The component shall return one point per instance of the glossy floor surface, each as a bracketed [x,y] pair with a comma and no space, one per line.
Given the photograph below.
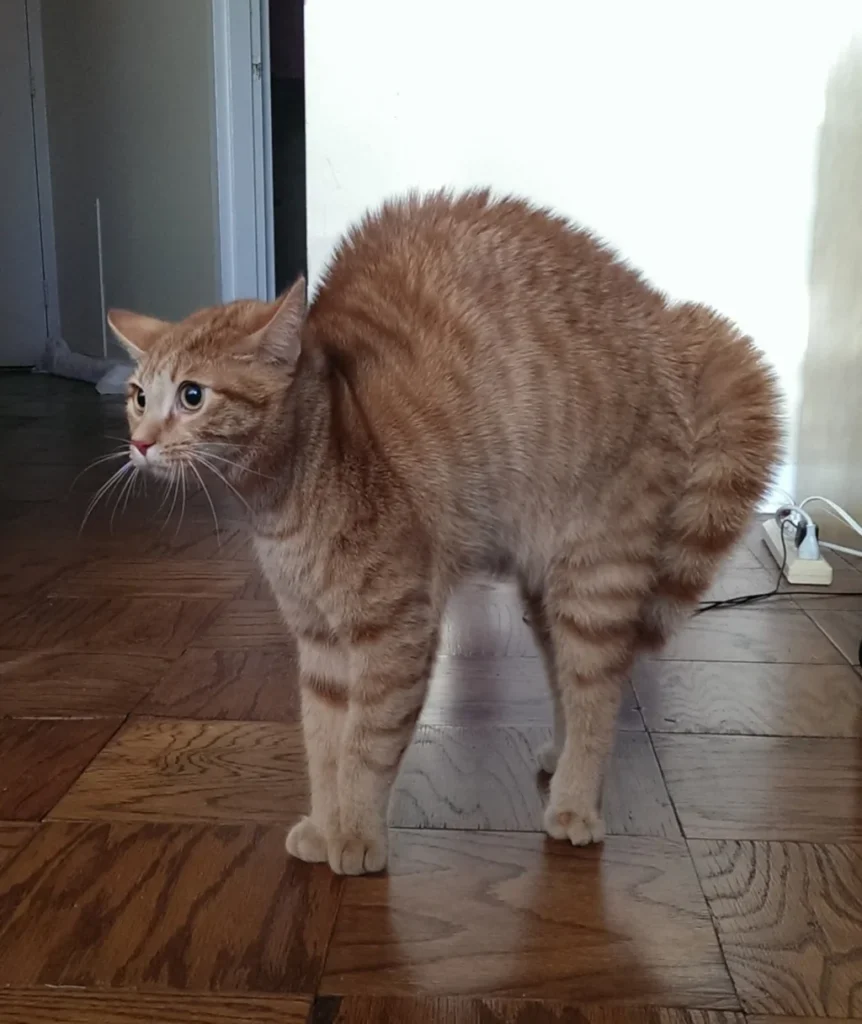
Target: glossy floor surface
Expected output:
[150,762]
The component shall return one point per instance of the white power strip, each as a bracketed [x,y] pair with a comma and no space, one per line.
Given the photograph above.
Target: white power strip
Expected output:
[803,571]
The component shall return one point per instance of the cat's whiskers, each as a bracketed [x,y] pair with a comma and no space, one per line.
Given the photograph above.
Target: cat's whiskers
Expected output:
[136,478]
[120,454]
[183,506]
[194,469]
[123,491]
[112,482]
[235,465]
[173,490]
[214,469]
[166,493]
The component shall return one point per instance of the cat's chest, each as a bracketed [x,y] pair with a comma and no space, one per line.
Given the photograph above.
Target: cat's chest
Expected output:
[290,565]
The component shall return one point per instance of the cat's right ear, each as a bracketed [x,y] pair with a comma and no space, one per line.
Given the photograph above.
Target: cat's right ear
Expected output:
[136,333]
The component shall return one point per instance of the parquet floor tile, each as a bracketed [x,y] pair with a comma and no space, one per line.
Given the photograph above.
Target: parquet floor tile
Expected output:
[160,906]
[745,698]
[511,914]
[789,919]
[39,761]
[753,787]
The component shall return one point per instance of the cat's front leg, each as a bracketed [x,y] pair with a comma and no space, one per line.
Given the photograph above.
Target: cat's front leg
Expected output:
[392,657]
[324,682]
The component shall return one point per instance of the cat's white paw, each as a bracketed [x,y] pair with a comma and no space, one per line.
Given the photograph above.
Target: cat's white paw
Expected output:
[357,855]
[306,842]
[548,756]
[580,828]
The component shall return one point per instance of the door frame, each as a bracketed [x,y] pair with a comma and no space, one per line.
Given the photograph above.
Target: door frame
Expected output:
[242,157]
[51,298]
[243,148]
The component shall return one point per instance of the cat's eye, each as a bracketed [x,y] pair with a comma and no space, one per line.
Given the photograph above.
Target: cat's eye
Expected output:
[140,398]
[191,395]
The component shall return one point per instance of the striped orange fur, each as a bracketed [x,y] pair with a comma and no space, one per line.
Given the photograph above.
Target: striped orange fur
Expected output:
[477,386]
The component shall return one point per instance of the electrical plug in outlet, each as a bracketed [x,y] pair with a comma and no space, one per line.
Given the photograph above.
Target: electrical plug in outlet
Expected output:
[803,571]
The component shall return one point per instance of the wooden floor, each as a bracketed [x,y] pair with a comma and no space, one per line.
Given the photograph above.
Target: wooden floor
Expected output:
[151,761]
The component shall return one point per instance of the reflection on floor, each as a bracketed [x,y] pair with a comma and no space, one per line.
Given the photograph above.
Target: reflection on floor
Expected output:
[150,761]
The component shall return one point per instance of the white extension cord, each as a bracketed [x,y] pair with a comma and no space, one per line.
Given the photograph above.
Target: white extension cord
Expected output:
[799,560]
[793,539]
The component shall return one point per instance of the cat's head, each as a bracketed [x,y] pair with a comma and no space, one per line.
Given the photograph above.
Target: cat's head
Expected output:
[204,386]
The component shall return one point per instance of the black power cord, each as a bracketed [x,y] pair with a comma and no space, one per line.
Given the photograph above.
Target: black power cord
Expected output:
[746,599]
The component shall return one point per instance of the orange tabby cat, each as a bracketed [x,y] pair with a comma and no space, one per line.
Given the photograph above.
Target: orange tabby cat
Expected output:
[476,386]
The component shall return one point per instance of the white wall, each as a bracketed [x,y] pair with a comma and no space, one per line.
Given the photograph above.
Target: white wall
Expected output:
[831,415]
[683,132]
[130,97]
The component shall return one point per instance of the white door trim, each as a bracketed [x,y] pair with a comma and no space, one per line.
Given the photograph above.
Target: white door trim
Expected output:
[33,9]
[242,157]
[263,146]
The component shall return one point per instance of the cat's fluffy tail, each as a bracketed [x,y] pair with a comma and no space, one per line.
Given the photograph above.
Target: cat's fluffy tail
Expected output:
[736,441]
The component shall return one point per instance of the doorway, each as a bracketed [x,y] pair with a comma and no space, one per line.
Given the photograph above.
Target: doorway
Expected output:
[287,110]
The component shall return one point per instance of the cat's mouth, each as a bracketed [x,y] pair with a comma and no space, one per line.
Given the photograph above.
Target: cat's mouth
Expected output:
[149,459]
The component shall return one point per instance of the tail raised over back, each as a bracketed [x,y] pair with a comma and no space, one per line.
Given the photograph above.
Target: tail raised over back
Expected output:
[735,445]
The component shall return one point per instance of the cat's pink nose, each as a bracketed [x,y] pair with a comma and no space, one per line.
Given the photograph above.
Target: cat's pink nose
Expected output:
[142,446]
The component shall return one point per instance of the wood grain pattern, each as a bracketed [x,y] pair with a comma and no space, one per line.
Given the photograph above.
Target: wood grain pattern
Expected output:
[636,801]
[243,624]
[121,625]
[749,699]
[749,787]
[39,761]
[157,907]
[766,635]
[488,691]
[177,578]
[471,778]
[22,572]
[762,1018]
[511,914]
[256,588]
[12,837]
[370,1010]
[487,619]
[499,691]
[199,539]
[251,685]
[789,918]
[73,1006]
[34,684]
[842,628]
[734,582]
[487,778]
[172,770]
[29,481]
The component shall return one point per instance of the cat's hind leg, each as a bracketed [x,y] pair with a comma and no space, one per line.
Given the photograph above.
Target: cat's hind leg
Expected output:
[549,754]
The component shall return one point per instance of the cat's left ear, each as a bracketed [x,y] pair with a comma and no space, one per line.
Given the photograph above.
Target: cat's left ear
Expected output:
[279,339]
[136,333]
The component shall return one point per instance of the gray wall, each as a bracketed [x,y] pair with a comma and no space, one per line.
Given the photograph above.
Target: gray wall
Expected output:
[131,120]
[23,329]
